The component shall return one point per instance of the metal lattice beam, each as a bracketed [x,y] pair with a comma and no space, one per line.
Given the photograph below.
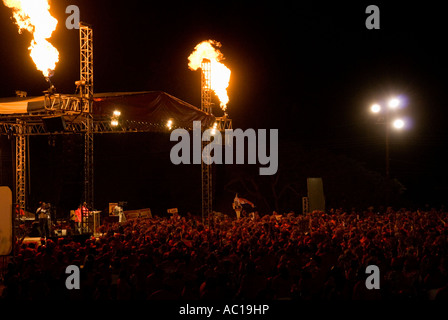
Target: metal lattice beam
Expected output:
[223,123]
[37,128]
[86,61]
[88,161]
[86,90]
[20,174]
[206,169]
[206,87]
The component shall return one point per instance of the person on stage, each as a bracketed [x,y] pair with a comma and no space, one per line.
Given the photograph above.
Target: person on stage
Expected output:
[43,215]
[118,211]
[41,206]
[19,213]
[83,216]
[76,218]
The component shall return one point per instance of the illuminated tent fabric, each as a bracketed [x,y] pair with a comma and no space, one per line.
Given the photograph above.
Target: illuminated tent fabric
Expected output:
[150,106]
[22,105]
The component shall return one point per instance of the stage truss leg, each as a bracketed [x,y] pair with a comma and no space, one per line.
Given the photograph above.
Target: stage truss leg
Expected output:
[86,62]
[206,169]
[20,164]
[207,189]
[86,74]
[88,169]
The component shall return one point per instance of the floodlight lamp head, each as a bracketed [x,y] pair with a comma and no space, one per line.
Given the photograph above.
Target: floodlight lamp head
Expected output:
[393,103]
[375,108]
[398,124]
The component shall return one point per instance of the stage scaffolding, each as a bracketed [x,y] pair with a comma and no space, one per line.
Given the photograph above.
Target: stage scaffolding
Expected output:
[79,107]
[76,111]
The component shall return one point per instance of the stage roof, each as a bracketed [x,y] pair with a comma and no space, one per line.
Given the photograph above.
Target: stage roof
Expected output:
[150,106]
[156,107]
[21,105]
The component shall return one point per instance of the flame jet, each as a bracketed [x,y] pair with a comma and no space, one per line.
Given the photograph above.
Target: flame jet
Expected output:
[220,74]
[34,16]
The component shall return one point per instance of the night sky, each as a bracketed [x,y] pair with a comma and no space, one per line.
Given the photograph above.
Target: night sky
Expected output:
[310,70]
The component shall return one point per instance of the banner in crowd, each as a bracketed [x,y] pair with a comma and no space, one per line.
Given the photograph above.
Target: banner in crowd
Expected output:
[240,201]
[140,213]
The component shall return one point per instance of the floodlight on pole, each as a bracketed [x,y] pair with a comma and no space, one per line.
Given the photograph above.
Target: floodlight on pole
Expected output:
[384,111]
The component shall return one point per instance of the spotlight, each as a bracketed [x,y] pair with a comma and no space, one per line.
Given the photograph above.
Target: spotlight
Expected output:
[169,124]
[114,119]
[215,125]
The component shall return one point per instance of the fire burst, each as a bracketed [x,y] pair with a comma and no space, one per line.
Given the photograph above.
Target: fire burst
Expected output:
[34,16]
[220,74]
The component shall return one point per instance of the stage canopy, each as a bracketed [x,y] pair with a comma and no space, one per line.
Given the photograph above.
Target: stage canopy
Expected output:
[156,107]
[21,105]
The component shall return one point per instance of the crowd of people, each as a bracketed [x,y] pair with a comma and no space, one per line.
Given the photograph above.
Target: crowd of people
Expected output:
[319,256]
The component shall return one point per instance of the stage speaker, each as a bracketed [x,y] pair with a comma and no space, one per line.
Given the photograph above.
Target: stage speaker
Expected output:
[61,232]
[316,198]
[54,124]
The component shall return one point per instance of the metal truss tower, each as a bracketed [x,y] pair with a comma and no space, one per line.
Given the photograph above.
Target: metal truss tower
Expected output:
[206,169]
[20,174]
[86,92]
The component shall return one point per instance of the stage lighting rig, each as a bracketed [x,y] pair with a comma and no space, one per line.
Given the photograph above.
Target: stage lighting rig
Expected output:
[115,118]
[169,124]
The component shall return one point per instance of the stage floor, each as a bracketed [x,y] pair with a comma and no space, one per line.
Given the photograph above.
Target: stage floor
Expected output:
[77,237]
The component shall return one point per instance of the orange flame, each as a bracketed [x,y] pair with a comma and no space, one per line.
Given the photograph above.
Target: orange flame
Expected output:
[34,16]
[220,74]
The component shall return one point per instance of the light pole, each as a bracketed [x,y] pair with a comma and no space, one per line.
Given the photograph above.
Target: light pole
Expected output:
[385,110]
